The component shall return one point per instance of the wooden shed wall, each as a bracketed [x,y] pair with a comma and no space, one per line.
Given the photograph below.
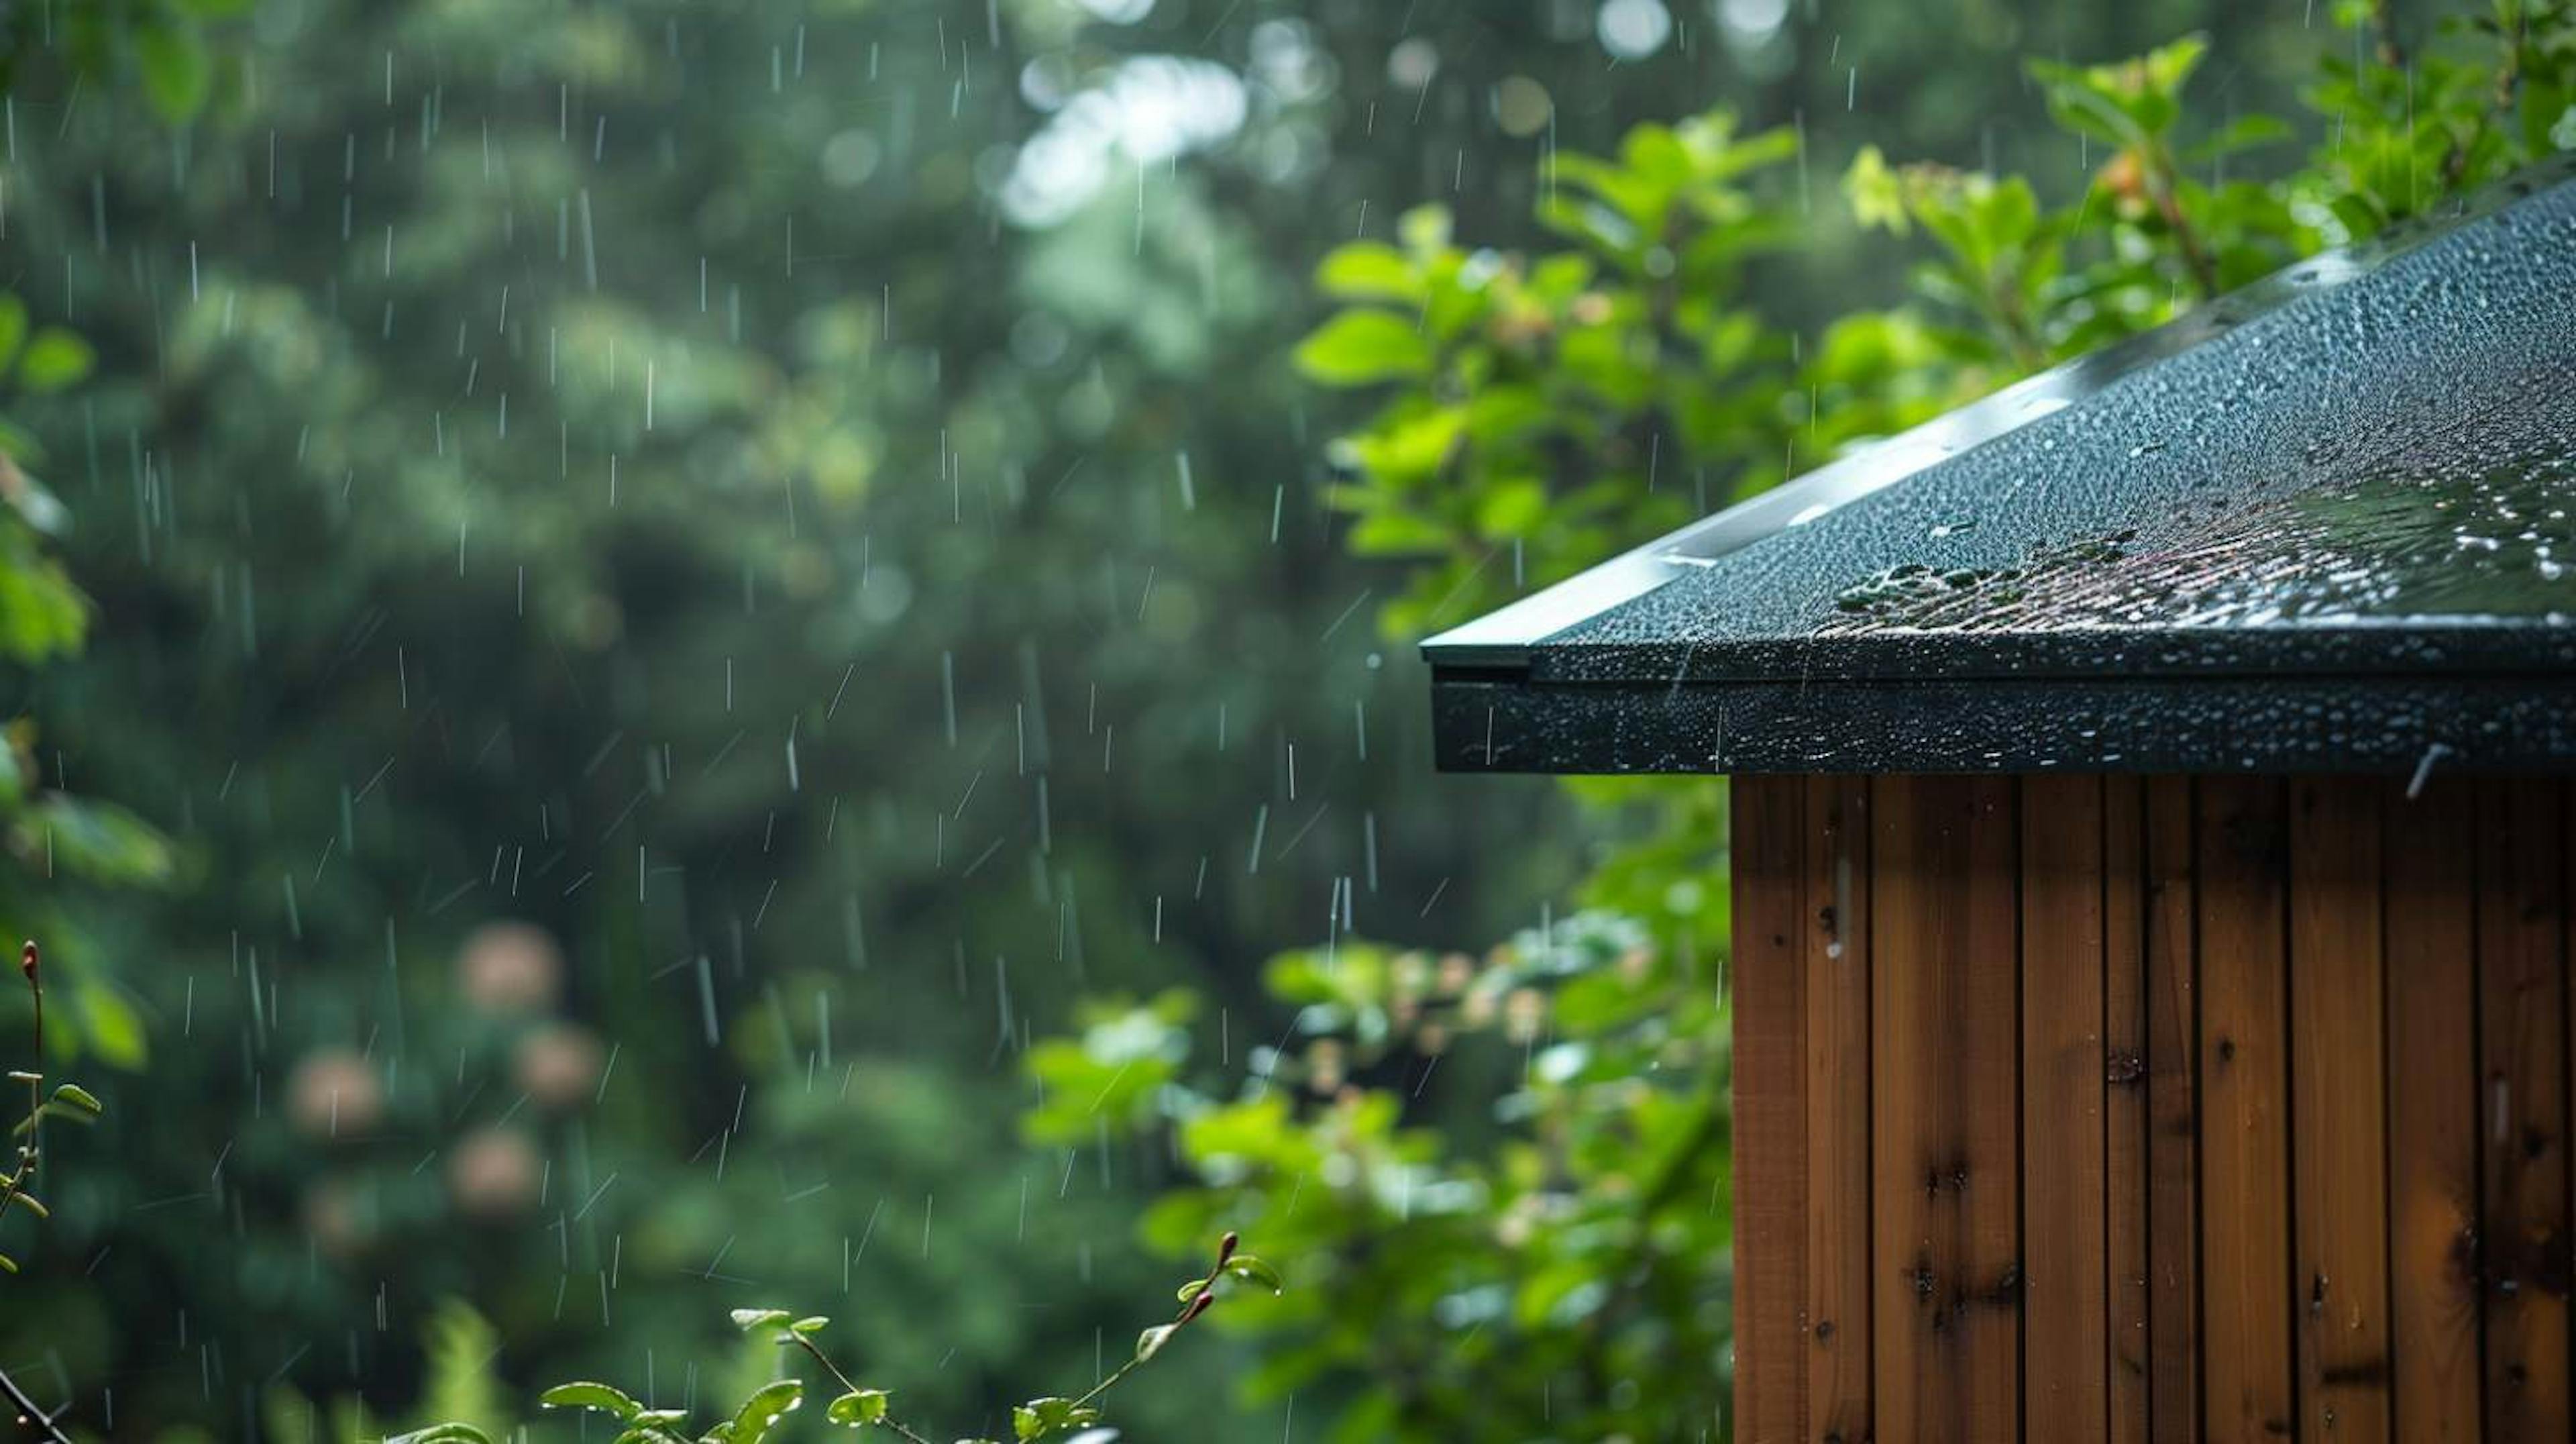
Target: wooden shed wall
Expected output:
[2222,1108]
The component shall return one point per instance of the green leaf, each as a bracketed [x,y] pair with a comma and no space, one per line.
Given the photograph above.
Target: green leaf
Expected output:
[443,1434]
[9,1265]
[1252,1270]
[811,1324]
[761,1412]
[1038,1418]
[1368,271]
[178,74]
[104,842]
[1511,507]
[1424,228]
[858,1408]
[57,359]
[1363,347]
[13,328]
[1151,1342]
[72,1095]
[110,1025]
[1193,1289]
[586,1395]
[31,1203]
[457,1347]
[749,1320]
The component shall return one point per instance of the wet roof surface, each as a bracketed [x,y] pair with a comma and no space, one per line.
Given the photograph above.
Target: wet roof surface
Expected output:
[2368,479]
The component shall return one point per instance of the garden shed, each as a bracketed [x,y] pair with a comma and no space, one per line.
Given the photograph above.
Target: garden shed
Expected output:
[2151,833]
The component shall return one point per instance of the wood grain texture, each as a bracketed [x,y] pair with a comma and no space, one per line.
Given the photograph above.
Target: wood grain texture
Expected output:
[2124,1107]
[1836,961]
[2065,1233]
[1945,1150]
[1767,977]
[2522,1045]
[2428,855]
[2339,1158]
[2244,1152]
[2173,1113]
[2165,1109]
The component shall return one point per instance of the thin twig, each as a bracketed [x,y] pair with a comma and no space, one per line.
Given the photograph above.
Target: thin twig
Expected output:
[29,1148]
[2164,190]
[13,1187]
[29,1411]
[849,1384]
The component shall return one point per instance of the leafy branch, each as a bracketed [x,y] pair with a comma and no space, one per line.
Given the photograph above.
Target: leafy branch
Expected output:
[69,1100]
[858,1406]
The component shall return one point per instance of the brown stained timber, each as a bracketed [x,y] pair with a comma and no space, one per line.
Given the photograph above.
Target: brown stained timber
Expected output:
[2087,1108]
[1836,966]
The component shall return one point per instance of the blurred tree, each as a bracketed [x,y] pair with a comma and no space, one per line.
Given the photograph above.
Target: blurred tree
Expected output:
[630,473]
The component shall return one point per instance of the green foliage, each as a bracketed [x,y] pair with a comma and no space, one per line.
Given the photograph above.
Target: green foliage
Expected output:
[766,1404]
[42,615]
[68,1102]
[174,51]
[44,618]
[460,1345]
[1479,1284]
[2413,124]
[1571,1255]
[1553,407]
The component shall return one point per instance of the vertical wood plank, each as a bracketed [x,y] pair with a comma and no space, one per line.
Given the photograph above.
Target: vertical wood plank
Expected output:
[1768,1003]
[2173,1108]
[1836,961]
[2339,1161]
[2067,1305]
[2522,1045]
[2124,1105]
[2244,1035]
[2430,914]
[1945,1110]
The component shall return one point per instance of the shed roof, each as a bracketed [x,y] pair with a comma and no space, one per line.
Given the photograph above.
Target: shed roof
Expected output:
[2325,523]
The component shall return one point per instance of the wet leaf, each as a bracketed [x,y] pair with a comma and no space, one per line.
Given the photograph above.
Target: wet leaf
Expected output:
[584,1395]
[858,1408]
[55,359]
[1253,1270]
[1362,347]
[178,74]
[72,1095]
[761,1412]
[752,1320]
[1039,1418]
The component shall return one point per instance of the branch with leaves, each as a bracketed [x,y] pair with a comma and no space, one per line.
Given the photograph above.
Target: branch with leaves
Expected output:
[858,1406]
[68,1100]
